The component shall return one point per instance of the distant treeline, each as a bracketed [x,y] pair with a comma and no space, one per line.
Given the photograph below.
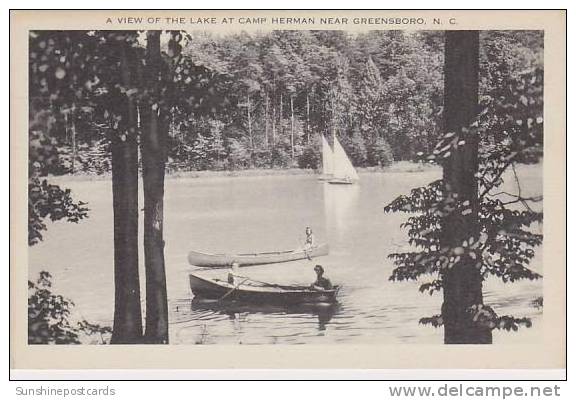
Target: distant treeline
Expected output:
[273,94]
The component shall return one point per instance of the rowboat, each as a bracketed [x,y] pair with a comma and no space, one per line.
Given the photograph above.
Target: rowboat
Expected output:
[223,260]
[258,293]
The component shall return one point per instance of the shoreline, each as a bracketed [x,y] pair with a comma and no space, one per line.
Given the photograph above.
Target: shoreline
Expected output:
[397,167]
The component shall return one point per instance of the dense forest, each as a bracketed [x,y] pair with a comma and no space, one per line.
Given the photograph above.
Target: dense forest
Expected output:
[266,98]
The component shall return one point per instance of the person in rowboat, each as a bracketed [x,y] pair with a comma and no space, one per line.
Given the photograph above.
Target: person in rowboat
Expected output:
[321,282]
[234,277]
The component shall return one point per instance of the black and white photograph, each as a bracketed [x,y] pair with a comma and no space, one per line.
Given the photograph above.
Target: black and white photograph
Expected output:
[265,187]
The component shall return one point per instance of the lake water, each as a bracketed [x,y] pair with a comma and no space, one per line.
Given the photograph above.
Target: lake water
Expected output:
[251,214]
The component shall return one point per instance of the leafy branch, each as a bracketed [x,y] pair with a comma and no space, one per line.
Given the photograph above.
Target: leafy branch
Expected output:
[509,124]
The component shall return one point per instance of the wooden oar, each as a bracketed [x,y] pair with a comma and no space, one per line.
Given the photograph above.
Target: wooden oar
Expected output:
[233,289]
[285,287]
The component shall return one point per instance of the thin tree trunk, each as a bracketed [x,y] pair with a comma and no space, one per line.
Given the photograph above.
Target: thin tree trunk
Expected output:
[266,121]
[292,126]
[73,136]
[273,134]
[273,124]
[124,148]
[281,127]
[333,119]
[248,106]
[463,282]
[154,135]
[307,117]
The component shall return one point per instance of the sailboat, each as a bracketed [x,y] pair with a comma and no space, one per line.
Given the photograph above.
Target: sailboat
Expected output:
[327,161]
[343,171]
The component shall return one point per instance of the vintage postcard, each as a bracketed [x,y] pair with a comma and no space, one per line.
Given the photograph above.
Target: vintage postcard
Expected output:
[288,189]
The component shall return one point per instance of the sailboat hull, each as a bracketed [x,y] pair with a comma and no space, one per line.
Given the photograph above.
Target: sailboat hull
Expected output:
[341,181]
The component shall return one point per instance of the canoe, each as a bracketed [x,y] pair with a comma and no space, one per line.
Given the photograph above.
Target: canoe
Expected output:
[224,260]
[250,292]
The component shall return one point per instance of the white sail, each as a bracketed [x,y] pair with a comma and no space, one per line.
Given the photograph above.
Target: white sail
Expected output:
[343,168]
[327,158]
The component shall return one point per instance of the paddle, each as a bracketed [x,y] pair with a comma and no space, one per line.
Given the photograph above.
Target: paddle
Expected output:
[233,289]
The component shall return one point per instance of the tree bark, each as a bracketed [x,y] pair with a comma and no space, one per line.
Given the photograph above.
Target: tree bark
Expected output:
[307,117]
[292,126]
[73,136]
[154,137]
[273,124]
[462,285]
[266,120]
[281,116]
[333,118]
[124,148]
[250,136]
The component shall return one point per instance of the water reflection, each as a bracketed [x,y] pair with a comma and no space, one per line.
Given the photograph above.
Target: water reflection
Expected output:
[237,310]
[339,205]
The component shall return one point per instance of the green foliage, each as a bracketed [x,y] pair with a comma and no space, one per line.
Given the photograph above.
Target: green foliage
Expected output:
[311,156]
[379,152]
[45,200]
[335,87]
[90,158]
[281,156]
[49,317]
[386,86]
[509,124]
[238,154]
[50,201]
[538,302]
[355,148]
[484,316]
[505,53]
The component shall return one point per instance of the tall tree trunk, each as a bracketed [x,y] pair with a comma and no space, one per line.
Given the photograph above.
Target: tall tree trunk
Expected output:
[333,126]
[273,134]
[124,148]
[273,124]
[281,116]
[248,106]
[73,136]
[307,117]
[73,132]
[154,135]
[266,120]
[463,282]
[292,126]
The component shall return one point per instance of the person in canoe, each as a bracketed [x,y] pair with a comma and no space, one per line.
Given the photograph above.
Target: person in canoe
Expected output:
[310,240]
[321,283]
